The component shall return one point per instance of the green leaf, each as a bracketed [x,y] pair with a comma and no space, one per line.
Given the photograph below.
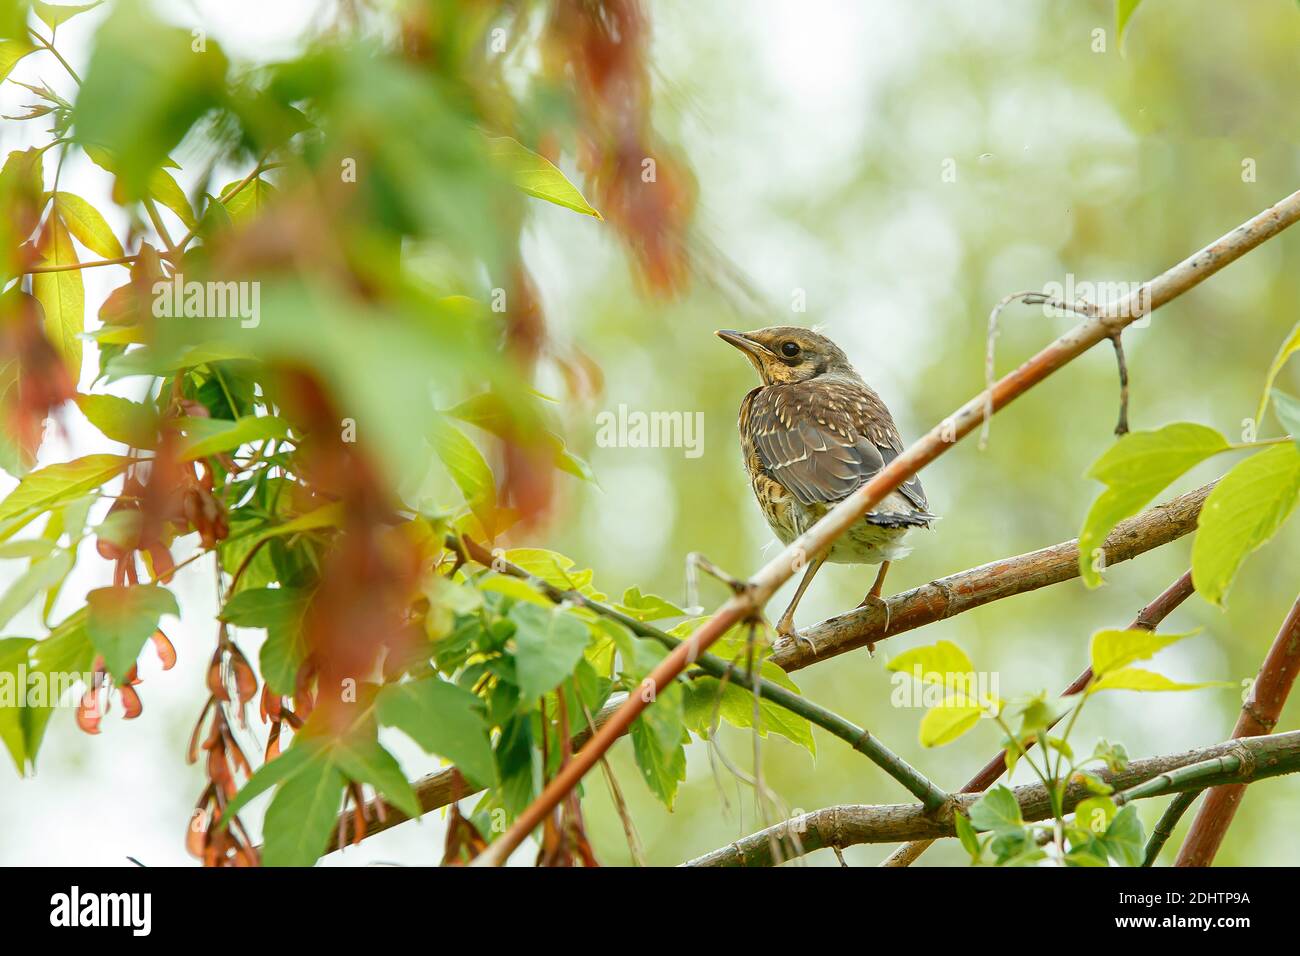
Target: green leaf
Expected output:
[737,708]
[212,436]
[1123,13]
[966,834]
[361,758]
[54,484]
[549,644]
[61,294]
[1135,469]
[1095,814]
[469,469]
[536,175]
[1287,408]
[11,51]
[56,14]
[303,813]
[121,419]
[647,607]
[1133,678]
[1243,511]
[1113,649]
[443,719]
[164,188]
[1288,348]
[938,663]
[1039,713]
[1124,840]
[40,577]
[249,201]
[121,619]
[84,221]
[948,721]
[280,611]
[13,654]
[288,763]
[996,810]
[662,768]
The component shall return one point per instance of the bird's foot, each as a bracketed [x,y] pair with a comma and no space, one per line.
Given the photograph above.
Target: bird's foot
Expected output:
[875,600]
[785,629]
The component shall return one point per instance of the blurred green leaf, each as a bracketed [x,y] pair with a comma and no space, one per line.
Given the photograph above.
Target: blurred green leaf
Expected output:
[1135,469]
[146,85]
[43,574]
[1243,511]
[1123,13]
[1287,408]
[11,51]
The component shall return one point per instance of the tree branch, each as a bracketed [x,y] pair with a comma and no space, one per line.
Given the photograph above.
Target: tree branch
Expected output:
[1259,714]
[1233,761]
[946,597]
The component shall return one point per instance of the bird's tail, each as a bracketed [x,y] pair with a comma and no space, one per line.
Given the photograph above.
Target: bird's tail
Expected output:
[902,519]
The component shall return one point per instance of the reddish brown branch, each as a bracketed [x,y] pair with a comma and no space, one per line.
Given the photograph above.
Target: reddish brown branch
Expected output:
[1259,715]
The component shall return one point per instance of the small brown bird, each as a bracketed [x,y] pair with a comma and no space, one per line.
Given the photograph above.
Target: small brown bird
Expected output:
[811,434]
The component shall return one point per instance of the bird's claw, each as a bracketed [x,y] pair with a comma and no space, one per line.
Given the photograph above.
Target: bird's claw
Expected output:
[875,600]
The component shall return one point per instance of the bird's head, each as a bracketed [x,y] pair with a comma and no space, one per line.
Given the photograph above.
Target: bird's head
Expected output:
[785,353]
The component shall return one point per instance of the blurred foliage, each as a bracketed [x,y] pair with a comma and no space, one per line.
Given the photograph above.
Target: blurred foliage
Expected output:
[408,229]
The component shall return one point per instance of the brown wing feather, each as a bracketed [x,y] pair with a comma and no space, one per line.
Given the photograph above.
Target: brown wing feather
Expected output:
[823,439]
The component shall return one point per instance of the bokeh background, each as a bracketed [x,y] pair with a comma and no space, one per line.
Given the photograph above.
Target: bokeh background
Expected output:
[820,133]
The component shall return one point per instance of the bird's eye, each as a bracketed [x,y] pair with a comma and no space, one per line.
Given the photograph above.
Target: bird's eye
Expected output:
[790,349]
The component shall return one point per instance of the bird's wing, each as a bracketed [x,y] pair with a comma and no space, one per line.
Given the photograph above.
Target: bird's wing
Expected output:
[822,440]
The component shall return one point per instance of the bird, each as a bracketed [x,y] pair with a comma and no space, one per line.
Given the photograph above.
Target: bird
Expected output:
[810,435]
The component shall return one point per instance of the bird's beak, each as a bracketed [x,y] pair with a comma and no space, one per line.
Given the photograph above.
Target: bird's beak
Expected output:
[742,342]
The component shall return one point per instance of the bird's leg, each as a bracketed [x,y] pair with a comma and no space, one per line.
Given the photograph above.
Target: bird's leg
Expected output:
[785,626]
[873,596]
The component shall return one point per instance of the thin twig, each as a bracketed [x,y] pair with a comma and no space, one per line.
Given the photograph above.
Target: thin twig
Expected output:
[1166,825]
